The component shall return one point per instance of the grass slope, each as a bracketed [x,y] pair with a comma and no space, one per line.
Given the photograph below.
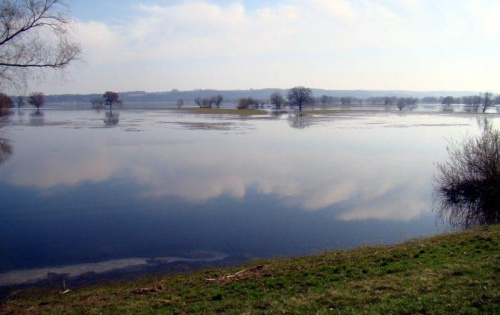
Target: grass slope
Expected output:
[455,273]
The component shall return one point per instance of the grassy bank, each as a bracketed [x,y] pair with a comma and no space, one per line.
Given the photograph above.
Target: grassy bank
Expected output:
[457,273]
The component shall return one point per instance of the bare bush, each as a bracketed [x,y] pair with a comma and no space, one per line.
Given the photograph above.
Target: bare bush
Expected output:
[467,186]
[247,103]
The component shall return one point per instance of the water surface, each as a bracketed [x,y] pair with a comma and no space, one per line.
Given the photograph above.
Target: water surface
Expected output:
[79,189]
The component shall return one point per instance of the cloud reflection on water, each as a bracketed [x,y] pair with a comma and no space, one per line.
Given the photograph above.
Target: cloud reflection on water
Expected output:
[320,168]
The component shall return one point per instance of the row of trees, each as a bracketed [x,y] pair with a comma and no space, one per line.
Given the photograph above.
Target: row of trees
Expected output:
[474,103]
[296,97]
[6,103]
[207,102]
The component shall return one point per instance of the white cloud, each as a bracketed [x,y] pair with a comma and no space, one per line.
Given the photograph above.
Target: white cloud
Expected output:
[304,41]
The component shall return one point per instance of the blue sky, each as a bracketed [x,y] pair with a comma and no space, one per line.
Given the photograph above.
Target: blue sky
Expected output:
[335,44]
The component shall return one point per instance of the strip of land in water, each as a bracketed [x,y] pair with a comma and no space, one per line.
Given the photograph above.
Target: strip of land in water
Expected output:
[223,111]
[455,273]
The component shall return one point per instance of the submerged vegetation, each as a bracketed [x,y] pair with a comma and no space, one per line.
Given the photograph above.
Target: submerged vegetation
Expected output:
[225,111]
[468,183]
[457,273]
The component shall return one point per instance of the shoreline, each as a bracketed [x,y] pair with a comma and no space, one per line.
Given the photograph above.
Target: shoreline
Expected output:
[455,272]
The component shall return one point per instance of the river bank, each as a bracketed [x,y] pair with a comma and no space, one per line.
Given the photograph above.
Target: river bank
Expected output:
[454,273]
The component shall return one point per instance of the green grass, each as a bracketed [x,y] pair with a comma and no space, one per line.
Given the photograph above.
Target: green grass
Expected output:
[454,274]
[223,111]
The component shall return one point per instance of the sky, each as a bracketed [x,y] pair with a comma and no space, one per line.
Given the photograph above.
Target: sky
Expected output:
[160,45]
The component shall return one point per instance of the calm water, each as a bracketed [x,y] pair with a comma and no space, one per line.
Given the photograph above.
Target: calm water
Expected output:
[155,187]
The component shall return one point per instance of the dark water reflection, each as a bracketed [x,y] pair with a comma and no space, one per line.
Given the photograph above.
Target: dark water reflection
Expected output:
[111,119]
[74,192]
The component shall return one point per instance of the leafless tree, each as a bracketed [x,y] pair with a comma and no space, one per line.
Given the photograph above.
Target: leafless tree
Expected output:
[206,102]
[34,35]
[180,103]
[487,101]
[347,100]
[300,96]
[277,100]
[448,100]
[37,99]
[248,102]
[6,104]
[472,103]
[401,104]
[111,98]
[20,101]
[217,100]
[97,103]
[467,185]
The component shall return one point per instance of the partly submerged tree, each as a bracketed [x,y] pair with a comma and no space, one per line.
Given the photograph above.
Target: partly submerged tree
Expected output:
[97,103]
[448,101]
[277,100]
[487,101]
[300,96]
[467,185]
[6,104]
[20,101]
[34,35]
[217,100]
[111,98]
[37,99]
[247,102]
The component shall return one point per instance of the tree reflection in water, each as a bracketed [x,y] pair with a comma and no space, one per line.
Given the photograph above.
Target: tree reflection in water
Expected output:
[36,119]
[111,119]
[5,149]
[467,186]
[299,120]
[5,144]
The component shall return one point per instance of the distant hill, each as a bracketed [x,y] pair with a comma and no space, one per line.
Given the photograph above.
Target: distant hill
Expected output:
[233,95]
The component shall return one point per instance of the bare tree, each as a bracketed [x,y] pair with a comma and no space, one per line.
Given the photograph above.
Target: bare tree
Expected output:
[34,34]
[111,98]
[401,104]
[97,103]
[448,100]
[277,100]
[37,99]
[217,100]
[300,96]
[487,101]
[246,103]
[180,103]
[20,101]
[206,102]
[5,104]
[346,100]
